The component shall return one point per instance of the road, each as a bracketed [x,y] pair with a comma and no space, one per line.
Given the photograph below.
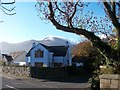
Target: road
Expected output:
[11,83]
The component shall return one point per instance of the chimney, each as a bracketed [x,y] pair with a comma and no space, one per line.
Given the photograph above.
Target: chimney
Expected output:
[33,44]
[67,44]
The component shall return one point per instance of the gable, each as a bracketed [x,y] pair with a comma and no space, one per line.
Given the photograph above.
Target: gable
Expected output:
[38,46]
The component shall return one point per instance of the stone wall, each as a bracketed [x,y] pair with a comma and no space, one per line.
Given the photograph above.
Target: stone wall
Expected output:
[18,71]
[110,81]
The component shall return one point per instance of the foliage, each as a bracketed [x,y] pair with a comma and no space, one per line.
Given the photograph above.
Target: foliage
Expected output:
[88,54]
[83,49]
[107,70]
[86,49]
[92,60]
[57,72]
[2,63]
[95,83]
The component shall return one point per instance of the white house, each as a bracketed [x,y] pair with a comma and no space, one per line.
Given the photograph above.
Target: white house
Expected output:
[49,56]
[19,57]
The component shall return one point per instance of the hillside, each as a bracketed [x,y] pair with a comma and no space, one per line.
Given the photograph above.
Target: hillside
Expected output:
[26,45]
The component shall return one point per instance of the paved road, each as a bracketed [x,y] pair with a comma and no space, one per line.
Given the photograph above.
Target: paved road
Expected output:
[12,83]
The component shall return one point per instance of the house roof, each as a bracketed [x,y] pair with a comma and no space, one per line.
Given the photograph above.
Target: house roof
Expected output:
[57,50]
[16,54]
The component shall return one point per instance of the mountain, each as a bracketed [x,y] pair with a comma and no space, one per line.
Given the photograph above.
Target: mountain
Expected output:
[26,45]
[55,41]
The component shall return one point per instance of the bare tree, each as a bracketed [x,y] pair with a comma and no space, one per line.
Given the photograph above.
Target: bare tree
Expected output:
[69,16]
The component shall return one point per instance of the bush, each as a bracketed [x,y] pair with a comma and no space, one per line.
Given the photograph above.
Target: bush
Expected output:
[109,70]
[57,72]
[2,63]
[75,71]
[95,84]
[46,72]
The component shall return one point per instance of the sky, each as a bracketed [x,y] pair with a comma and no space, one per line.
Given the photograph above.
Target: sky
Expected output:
[26,25]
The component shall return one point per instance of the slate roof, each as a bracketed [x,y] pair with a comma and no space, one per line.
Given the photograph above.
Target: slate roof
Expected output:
[57,50]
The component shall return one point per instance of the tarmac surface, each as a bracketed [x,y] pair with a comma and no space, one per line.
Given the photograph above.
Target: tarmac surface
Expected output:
[12,82]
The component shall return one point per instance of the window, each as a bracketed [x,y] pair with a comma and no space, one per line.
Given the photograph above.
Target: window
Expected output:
[39,53]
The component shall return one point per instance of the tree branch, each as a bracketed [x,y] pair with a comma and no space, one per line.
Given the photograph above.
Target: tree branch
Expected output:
[70,19]
[111,15]
[66,28]
[60,9]
[8,9]
[90,35]
[9,2]
[114,8]
[6,12]
[74,10]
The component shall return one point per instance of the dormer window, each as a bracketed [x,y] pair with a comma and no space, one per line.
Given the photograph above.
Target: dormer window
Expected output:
[39,53]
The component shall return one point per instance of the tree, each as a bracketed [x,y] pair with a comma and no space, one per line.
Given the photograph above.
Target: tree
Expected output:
[5,10]
[68,16]
[83,49]
[89,55]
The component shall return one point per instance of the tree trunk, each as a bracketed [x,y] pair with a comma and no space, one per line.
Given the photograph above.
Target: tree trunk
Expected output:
[118,40]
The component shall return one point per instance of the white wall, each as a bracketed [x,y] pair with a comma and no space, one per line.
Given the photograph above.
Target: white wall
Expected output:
[20,58]
[43,59]
[59,59]
[48,57]
[64,58]
[20,63]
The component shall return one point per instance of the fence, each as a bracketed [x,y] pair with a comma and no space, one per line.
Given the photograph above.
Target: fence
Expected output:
[110,81]
[18,71]
[43,72]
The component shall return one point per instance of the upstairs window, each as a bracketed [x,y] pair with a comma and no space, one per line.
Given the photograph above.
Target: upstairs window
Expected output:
[39,53]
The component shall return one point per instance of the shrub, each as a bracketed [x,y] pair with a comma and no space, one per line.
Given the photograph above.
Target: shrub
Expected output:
[109,70]
[95,83]
[2,63]
[57,72]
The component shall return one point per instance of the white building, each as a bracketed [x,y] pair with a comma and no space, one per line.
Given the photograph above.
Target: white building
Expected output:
[19,57]
[49,56]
